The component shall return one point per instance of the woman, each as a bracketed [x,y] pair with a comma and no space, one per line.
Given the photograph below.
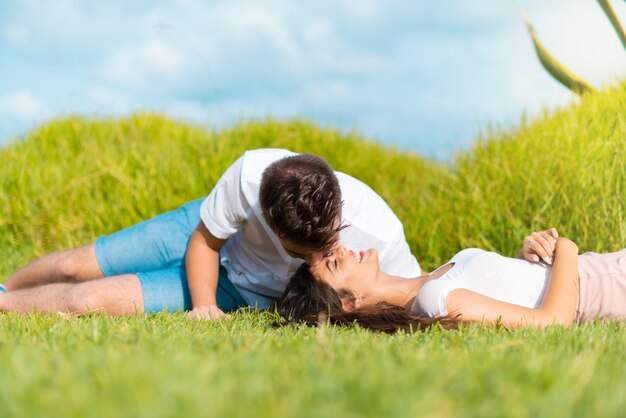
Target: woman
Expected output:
[474,286]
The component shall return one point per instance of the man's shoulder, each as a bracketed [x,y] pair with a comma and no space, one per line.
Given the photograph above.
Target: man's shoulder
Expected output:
[365,209]
[263,153]
[355,191]
[254,162]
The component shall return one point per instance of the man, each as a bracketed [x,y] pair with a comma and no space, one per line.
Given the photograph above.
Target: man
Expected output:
[238,247]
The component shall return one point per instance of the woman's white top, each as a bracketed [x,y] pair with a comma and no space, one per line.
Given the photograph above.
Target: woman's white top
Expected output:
[506,279]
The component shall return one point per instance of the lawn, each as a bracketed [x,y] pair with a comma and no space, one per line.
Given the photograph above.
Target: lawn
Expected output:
[76,178]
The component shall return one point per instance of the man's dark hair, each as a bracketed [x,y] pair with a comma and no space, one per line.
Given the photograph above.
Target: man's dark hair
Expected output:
[301,201]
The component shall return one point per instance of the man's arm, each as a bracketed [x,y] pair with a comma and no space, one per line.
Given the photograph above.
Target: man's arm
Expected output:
[558,305]
[203,263]
[224,211]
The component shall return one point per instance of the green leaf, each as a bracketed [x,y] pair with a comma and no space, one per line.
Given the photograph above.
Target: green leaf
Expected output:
[608,10]
[554,67]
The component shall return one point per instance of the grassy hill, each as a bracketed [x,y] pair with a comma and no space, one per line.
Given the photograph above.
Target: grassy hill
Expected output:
[74,179]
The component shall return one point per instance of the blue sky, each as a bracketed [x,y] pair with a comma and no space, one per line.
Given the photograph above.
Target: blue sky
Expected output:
[423,76]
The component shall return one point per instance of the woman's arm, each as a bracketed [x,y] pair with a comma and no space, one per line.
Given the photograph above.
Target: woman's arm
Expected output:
[558,305]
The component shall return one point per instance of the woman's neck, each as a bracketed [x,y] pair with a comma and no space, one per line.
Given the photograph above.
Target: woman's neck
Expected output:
[400,291]
[395,290]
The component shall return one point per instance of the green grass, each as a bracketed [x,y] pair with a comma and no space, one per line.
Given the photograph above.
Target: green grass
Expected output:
[166,366]
[74,179]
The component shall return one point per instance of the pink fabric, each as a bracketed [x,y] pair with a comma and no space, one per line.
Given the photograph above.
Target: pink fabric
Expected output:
[602,286]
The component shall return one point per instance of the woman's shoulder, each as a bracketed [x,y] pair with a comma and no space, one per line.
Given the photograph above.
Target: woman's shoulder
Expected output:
[431,299]
[466,254]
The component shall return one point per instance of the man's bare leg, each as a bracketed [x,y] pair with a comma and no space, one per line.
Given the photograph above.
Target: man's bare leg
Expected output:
[76,265]
[115,296]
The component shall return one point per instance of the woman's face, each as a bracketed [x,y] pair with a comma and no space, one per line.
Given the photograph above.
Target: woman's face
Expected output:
[348,270]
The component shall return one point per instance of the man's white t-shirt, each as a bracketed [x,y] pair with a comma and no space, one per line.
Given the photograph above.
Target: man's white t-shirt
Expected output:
[256,262]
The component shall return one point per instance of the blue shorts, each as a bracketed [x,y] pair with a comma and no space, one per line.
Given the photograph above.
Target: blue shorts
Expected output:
[155,250]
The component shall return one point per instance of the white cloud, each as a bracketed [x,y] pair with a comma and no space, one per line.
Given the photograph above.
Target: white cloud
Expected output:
[21,105]
[103,99]
[150,61]
[276,38]
[190,111]
[16,34]
[322,46]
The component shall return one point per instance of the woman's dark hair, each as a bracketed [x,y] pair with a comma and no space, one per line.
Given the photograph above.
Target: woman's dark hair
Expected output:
[301,201]
[306,299]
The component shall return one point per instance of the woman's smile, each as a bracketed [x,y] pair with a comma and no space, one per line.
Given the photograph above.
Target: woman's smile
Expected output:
[347,269]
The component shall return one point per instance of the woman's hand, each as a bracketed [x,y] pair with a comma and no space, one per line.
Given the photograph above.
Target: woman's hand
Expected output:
[539,246]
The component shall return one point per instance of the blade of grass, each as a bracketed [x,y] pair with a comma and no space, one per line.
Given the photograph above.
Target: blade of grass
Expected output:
[608,10]
[557,70]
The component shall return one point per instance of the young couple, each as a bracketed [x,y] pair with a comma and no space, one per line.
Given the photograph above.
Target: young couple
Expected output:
[276,215]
